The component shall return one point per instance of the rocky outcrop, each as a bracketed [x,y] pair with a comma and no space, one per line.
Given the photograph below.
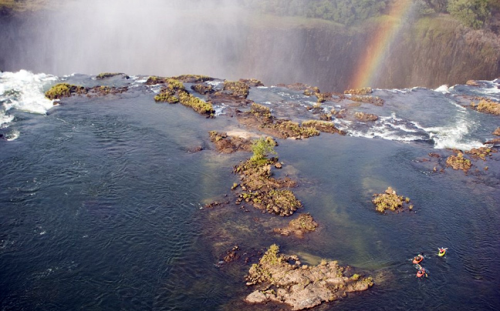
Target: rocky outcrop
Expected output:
[390,200]
[459,162]
[229,144]
[284,279]
[365,117]
[487,106]
[264,192]
[174,92]
[259,117]
[62,90]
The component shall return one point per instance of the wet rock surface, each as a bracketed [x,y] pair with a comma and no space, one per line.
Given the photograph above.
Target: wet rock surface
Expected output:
[264,192]
[281,278]
[459,162]
[229,144]
[174,92]
[259,117]
[365,117]
[63,90]
[486,105]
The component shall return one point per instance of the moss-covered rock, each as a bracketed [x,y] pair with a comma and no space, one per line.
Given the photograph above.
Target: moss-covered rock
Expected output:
[481,153]
[359,91]
[229,144]
[105,75]
[459,162]
[374,100]
[174,92]
[299,226]
[283,279]
[236,88]
[365,117]
[322,126]
[152,80]
[193,78]
[196,104]
[252,82]
[487,106]
[390,200]
[264,192]
[61,90]
[202,88]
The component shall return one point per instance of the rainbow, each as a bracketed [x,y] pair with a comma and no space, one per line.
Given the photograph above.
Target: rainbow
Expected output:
[376,49]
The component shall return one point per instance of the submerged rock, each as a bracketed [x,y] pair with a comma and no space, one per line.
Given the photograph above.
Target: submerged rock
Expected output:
[365,117]
[299,226]
[229,144]
[389,200]
[282,279]
[323,126]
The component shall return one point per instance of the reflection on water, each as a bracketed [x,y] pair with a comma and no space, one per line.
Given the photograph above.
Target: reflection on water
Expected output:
[102,208]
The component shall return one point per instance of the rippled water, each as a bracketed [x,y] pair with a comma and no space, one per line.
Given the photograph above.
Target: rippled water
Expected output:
[101,204]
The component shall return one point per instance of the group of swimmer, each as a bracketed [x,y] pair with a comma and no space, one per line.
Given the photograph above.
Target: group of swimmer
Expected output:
[421,272]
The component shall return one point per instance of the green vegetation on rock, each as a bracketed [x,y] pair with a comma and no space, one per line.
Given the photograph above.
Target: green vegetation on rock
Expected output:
[472,13]
[61,90]
[261,148]
[174,92]
[284,279]
[459,162]
[237,88]
[487,106]
[105,75]
[390,200]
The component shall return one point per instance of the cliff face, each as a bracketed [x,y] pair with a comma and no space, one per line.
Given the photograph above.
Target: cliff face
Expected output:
[427,53]
[328,56]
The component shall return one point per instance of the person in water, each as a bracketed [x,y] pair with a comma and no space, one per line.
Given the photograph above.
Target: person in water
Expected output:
[421,272]
[442,251]
[418,259]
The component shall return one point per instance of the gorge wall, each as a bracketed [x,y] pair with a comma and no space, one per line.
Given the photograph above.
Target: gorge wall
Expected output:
[426,53]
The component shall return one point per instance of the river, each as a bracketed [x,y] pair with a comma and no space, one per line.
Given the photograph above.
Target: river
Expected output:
[102,200]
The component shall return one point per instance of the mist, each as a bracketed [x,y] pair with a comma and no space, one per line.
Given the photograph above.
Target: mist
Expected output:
[225,39]
[134,37]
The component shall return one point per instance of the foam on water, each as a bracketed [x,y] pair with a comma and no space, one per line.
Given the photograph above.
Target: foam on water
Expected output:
[5,119]
[453,136]
[443,89]
[23,91]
